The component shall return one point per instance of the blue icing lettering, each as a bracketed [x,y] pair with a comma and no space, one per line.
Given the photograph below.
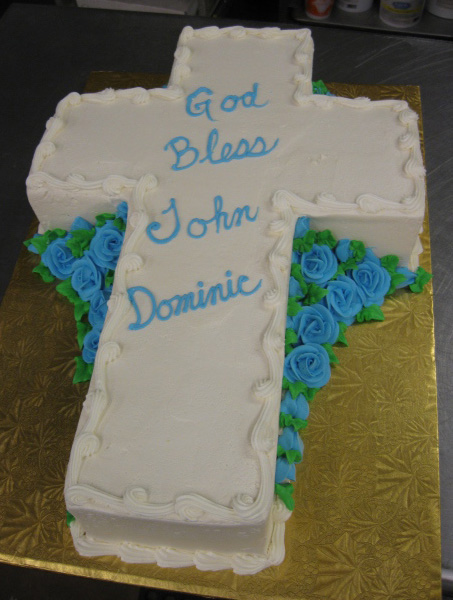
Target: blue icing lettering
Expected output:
[183,303]
[197,227]
[181,147]
[181,151]
[155,226]
[139,324]
[243,149]
[248,100]
[220,218]
[199,108]
[243,279]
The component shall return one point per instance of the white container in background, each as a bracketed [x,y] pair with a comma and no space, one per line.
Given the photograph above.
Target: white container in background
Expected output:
[355,5]
[440,8]
[401,13]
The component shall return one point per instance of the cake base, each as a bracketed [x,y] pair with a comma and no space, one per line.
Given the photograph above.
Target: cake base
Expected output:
[366,512]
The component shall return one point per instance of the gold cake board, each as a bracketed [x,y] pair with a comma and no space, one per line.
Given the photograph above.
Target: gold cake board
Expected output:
[366,523]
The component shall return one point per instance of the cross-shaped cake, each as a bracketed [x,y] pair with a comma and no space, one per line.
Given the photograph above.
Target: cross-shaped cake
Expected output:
[174,457]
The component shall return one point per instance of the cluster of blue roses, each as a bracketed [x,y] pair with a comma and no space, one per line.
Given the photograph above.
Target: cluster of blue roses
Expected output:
[84,259]
[332,285]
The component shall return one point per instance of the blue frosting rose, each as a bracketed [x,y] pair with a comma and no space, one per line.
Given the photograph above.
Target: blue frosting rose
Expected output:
[409,275]
[98,307]
[30,246]
[296,407]
[315,324]
[106,245]
[371,257]
[87,278]
[81,223]
[90,345]
[289,440]
[289,322]
[294,288]
[284,470]
[343,299]
[121,210]
[302,226]
[58,258]
[319,265]
[308,363]
[373,282]
[343,250]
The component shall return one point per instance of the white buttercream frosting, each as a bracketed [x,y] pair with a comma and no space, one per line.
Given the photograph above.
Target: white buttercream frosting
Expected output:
[174,457]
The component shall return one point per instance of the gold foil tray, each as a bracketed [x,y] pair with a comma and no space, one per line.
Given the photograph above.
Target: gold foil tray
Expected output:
[366,522]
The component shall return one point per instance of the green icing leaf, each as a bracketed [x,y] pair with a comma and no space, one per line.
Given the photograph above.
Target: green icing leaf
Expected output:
[293,307]
[291,336]
[299,387]
[319,87]
[81,308]
[390,262]
[80,241]
[83,370]
[120,224]
[45,273]
[349,265]
[395,280]
[296,272]
[290,421]
[341,339]
[332,357]
[285,492]
[340,271]
[358,249]
[290,339]
[305,244]
[37,242]
[291,455]
[326,238]
[52,234]
[69,518]
[82,330]
[65,289]
[370,313]
[109,278]
[314,294]
[421,279]
[298,244]
[102,219]
[310,393]
[40,242]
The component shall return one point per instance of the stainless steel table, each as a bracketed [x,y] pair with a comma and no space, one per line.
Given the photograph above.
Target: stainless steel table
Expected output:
[47,51]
